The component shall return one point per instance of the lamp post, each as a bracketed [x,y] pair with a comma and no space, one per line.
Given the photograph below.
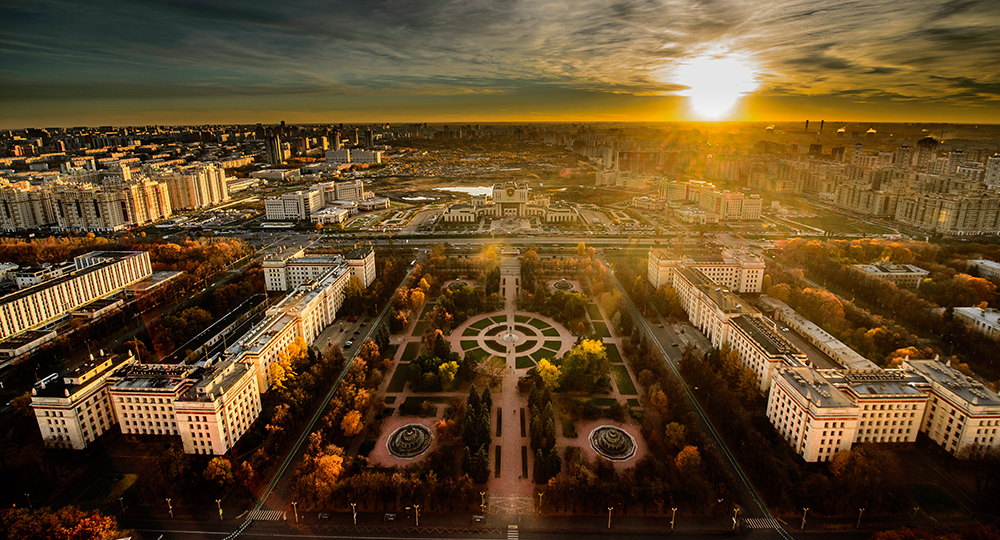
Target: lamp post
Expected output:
[170,508]
[539,503]
[27,496]
[610,508]
[860,511]
[354,512]
[482,501]
[673,515]
[416,514]
[295,510]
[122,505]
[736,517]
[804,512]
[218,503]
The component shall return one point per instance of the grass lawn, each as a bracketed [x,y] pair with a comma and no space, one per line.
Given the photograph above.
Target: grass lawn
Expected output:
[624,382]
[542,353]
[604,401]
[594,312]
[495,331]
[469,344]
[478,353]
[526,330]
[499,319]
[522,362]
[521,318]
[428,308]
[410,352]
[600,330]
[470,331]
[550,332]
[539,324]
[390,351]
[390,400]
[521,347]
[497,347]
[481,324]
[555,345]
[614,356]
[399,378]
[843,224]
[633,402]
[420,328]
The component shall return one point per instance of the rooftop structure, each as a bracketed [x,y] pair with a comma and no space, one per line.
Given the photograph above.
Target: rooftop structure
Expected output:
[984,320]
[903,275]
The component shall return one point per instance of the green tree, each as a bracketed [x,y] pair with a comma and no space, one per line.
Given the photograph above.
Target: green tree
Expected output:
[584,365]
[219,472]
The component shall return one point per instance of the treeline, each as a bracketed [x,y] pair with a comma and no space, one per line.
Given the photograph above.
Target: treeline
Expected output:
[477,435]
[542,431]
[439,368]
[67,523]
[390,267]
[916,310]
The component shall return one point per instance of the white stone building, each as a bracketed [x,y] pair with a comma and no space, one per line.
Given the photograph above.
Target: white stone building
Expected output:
[741,272]
[984,320]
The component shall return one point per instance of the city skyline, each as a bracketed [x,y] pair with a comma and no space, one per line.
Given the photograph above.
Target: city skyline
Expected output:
[179,62]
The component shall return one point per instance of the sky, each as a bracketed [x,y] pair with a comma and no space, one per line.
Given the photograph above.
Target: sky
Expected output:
[101,62]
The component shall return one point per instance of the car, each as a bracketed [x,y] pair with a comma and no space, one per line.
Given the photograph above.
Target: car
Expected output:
[349,343]
[364,325]
[659,326]
[677,345]
[356,332]
[784,329]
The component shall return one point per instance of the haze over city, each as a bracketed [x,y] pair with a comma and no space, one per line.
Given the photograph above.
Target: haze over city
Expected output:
[178,62]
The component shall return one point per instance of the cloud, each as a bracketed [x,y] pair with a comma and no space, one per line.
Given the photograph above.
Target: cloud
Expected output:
[922,49]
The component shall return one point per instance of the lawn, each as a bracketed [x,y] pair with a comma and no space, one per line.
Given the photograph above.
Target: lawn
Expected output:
[410,352]
[542,353]
[471,331]
[428,308]
[469,344]
[523,362]
[420,328]
[633,402]
[838,224]
[600,330]
[556,345]
[526,330]
[390,351]
[622,379]
[539,324]
[389,400]
[478,353]
[481,324]
[521,318]
[594,312]
[399,378]
[604,401]
[521,347]
[499,319]
[550,332]
[495,331]
[614,356]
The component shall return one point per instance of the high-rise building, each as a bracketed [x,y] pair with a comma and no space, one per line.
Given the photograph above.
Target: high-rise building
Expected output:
[87,207]
[275,152]
[926,151]
[25,207]
[992,174]
[195,186]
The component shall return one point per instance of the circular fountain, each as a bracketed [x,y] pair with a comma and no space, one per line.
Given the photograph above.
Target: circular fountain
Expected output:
[409,441]
[612,443]
[563,285]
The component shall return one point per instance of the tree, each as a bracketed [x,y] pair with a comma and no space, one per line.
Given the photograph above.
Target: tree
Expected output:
[492,281]
[369,352]
[416,299]
[69,523]
[674,435]
[352,424]
[584,365]
[219,472]
[688,461]
[447,372]
[581,249]
[550,373]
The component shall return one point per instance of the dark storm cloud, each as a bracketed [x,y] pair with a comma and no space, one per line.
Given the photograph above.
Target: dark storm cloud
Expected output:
[941,51]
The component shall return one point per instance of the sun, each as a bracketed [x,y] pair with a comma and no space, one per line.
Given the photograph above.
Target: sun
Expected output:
[715,83]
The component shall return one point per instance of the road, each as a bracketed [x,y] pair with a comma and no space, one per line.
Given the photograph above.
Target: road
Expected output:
[295,453]
[755,505]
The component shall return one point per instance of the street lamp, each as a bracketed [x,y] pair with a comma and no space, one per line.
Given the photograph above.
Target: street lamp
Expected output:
[295,509]
[539,502]
[416,514]
[673,515]
[610,508]
[354,512]
[170,508]
[804,512]
[860,511]
[218,502]
[482,501]
[122,505]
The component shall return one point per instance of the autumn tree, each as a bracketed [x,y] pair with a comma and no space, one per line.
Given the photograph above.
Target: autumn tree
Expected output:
[352,424]
[584,366]
[219,472]
[550,373]
[688,461]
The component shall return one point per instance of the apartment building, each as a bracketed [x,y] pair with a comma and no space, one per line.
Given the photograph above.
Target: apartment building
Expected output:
[108,208]
[98,274]
[195,186]
[25,207]
[295,206]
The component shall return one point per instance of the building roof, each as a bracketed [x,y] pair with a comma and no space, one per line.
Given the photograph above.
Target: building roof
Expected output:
[987,316]
[875,382]
[986,264]
[886,268]
[762,331]
[813,388]
[960,385]
[112,256]
[359,253]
